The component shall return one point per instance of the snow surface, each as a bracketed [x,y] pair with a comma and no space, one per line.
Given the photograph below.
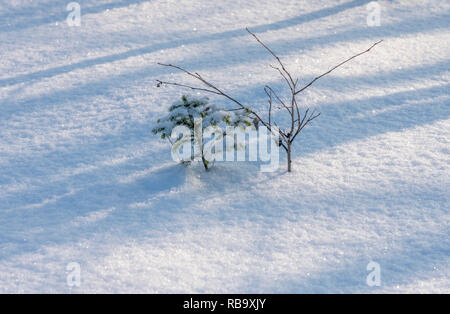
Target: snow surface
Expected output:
[83,180]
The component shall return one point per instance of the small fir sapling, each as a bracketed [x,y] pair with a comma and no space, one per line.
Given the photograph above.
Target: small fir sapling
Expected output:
[184,113]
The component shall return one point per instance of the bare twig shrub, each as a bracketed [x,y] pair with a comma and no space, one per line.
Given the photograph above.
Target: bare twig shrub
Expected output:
[298,120]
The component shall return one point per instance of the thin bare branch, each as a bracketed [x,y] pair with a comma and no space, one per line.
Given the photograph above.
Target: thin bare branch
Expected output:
[298,112]
[160,83]
[275,56]
[216,91]
[277,97]
[304,123]
[269,94]
[292,88]
[335,67]
[236,109]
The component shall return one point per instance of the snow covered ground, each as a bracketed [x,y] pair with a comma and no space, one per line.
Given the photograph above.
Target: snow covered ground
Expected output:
[83,180]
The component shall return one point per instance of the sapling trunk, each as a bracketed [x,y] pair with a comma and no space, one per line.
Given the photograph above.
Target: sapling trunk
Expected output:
[205,163]
[289,157]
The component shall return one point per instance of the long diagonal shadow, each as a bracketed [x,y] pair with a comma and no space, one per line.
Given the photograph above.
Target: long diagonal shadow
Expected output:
[354,120]
[9,106]
[23,19]
[119,195]
[88,198]
[414,26]
[359,127]
[60,16]
[177,43]
[94,197]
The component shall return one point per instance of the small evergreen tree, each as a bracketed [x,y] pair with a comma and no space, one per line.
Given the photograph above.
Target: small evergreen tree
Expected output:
[185,111]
